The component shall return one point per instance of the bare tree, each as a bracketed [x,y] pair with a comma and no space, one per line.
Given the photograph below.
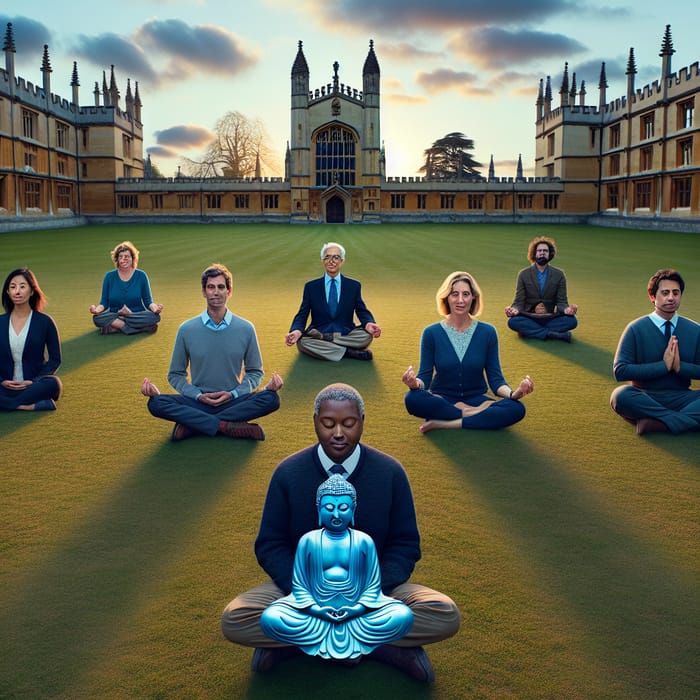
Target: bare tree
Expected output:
[449,157]
[240,149]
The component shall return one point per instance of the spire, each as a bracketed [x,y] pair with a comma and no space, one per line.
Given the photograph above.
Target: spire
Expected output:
[582,94]
[96,92]
[336,65]
[9,44]
[602,87]
[572,92]
[46,70]
[137,102]
[564,89]
[105,91]
[258,170]
[492,168]
[300,66]
[370,74]
[9,49]
[548,94]
[371,66]
[667,51]
[300,79]
[667,43]
[113,90]
[129,99]
[45,61]
[75,84]
[630,72]
[519,171]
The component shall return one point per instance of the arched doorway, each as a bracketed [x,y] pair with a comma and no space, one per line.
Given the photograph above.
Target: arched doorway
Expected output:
[335,210]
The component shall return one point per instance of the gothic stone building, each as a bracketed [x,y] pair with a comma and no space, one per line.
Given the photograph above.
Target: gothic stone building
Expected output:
[630,161]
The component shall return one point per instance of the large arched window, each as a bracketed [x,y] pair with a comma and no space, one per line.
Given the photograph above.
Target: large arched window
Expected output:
[335,157]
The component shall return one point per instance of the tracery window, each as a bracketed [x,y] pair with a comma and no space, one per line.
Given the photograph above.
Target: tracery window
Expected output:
[335,157]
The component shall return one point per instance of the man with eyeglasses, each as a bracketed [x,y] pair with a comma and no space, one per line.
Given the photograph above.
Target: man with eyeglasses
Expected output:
[541,308]
[333,302]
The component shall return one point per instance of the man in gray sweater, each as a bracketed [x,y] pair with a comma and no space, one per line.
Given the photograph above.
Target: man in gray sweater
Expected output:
[225,367]
[660,355]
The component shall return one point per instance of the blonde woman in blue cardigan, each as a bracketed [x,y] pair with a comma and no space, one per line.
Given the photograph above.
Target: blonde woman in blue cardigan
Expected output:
[459,362]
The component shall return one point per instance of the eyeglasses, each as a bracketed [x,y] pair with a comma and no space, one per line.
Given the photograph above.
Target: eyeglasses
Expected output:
[333,258]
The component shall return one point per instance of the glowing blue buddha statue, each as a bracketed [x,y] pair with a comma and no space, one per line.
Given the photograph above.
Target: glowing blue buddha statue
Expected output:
[336,609]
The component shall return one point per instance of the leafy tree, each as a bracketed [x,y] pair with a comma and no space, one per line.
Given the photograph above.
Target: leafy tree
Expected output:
[240,149]
[449,157]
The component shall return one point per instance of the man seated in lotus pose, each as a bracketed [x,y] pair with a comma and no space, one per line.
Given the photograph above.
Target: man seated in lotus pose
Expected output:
[659,354]
[541,307]
[386,514]
[333,301]
[336,609]
[225,366]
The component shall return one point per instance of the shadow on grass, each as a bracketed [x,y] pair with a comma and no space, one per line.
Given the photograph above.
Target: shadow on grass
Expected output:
[58,619]
[307,376]
[637,610]
[91,346]
[590,357]
[75,353]
[321,679]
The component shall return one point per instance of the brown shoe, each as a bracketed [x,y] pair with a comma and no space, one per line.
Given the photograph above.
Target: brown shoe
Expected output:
[359,354]
[240,430]
[182,432]
[413,661]
[650,425]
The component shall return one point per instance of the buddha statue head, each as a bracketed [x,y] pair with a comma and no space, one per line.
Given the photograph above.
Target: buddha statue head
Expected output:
[336,500]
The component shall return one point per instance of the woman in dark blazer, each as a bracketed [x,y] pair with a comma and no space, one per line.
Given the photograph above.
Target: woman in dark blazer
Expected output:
[30,349]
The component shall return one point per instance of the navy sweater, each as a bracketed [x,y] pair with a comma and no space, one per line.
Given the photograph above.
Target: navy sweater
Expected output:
[385,512]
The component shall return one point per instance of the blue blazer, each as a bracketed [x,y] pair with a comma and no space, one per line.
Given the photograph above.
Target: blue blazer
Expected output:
[42,339]
[314,302]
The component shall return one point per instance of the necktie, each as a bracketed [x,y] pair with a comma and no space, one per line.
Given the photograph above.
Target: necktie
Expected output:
[667,330]
[337,469]
[333,297]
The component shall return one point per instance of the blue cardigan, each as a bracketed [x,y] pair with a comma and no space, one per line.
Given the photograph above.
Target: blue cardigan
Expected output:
[136,293]
[42,339]
[442,372]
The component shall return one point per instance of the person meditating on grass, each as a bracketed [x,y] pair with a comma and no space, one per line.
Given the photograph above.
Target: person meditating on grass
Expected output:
[30,349]
[386,515]
[449,390]
[336,609]
[126,305]
[225,368]
[659,354]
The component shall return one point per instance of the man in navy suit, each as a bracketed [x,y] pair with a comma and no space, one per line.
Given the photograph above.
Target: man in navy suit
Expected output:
[541,308]
[333,302]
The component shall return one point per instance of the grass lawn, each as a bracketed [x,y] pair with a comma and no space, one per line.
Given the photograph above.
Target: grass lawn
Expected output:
[569,543]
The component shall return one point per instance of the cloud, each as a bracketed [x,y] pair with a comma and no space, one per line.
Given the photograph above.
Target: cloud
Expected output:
[163,51]
[494,47]
[109,49]
[445,79]
[204,47]
[184,136]
[406,99]
[162,152]
[446,15]
[29,35]
[408,52]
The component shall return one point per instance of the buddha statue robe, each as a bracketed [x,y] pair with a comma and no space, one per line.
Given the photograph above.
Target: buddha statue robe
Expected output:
[338,573]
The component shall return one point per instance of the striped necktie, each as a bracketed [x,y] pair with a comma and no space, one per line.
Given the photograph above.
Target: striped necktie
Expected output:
[338,469]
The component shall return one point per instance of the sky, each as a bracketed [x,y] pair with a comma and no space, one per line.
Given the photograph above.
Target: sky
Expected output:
[470,66]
